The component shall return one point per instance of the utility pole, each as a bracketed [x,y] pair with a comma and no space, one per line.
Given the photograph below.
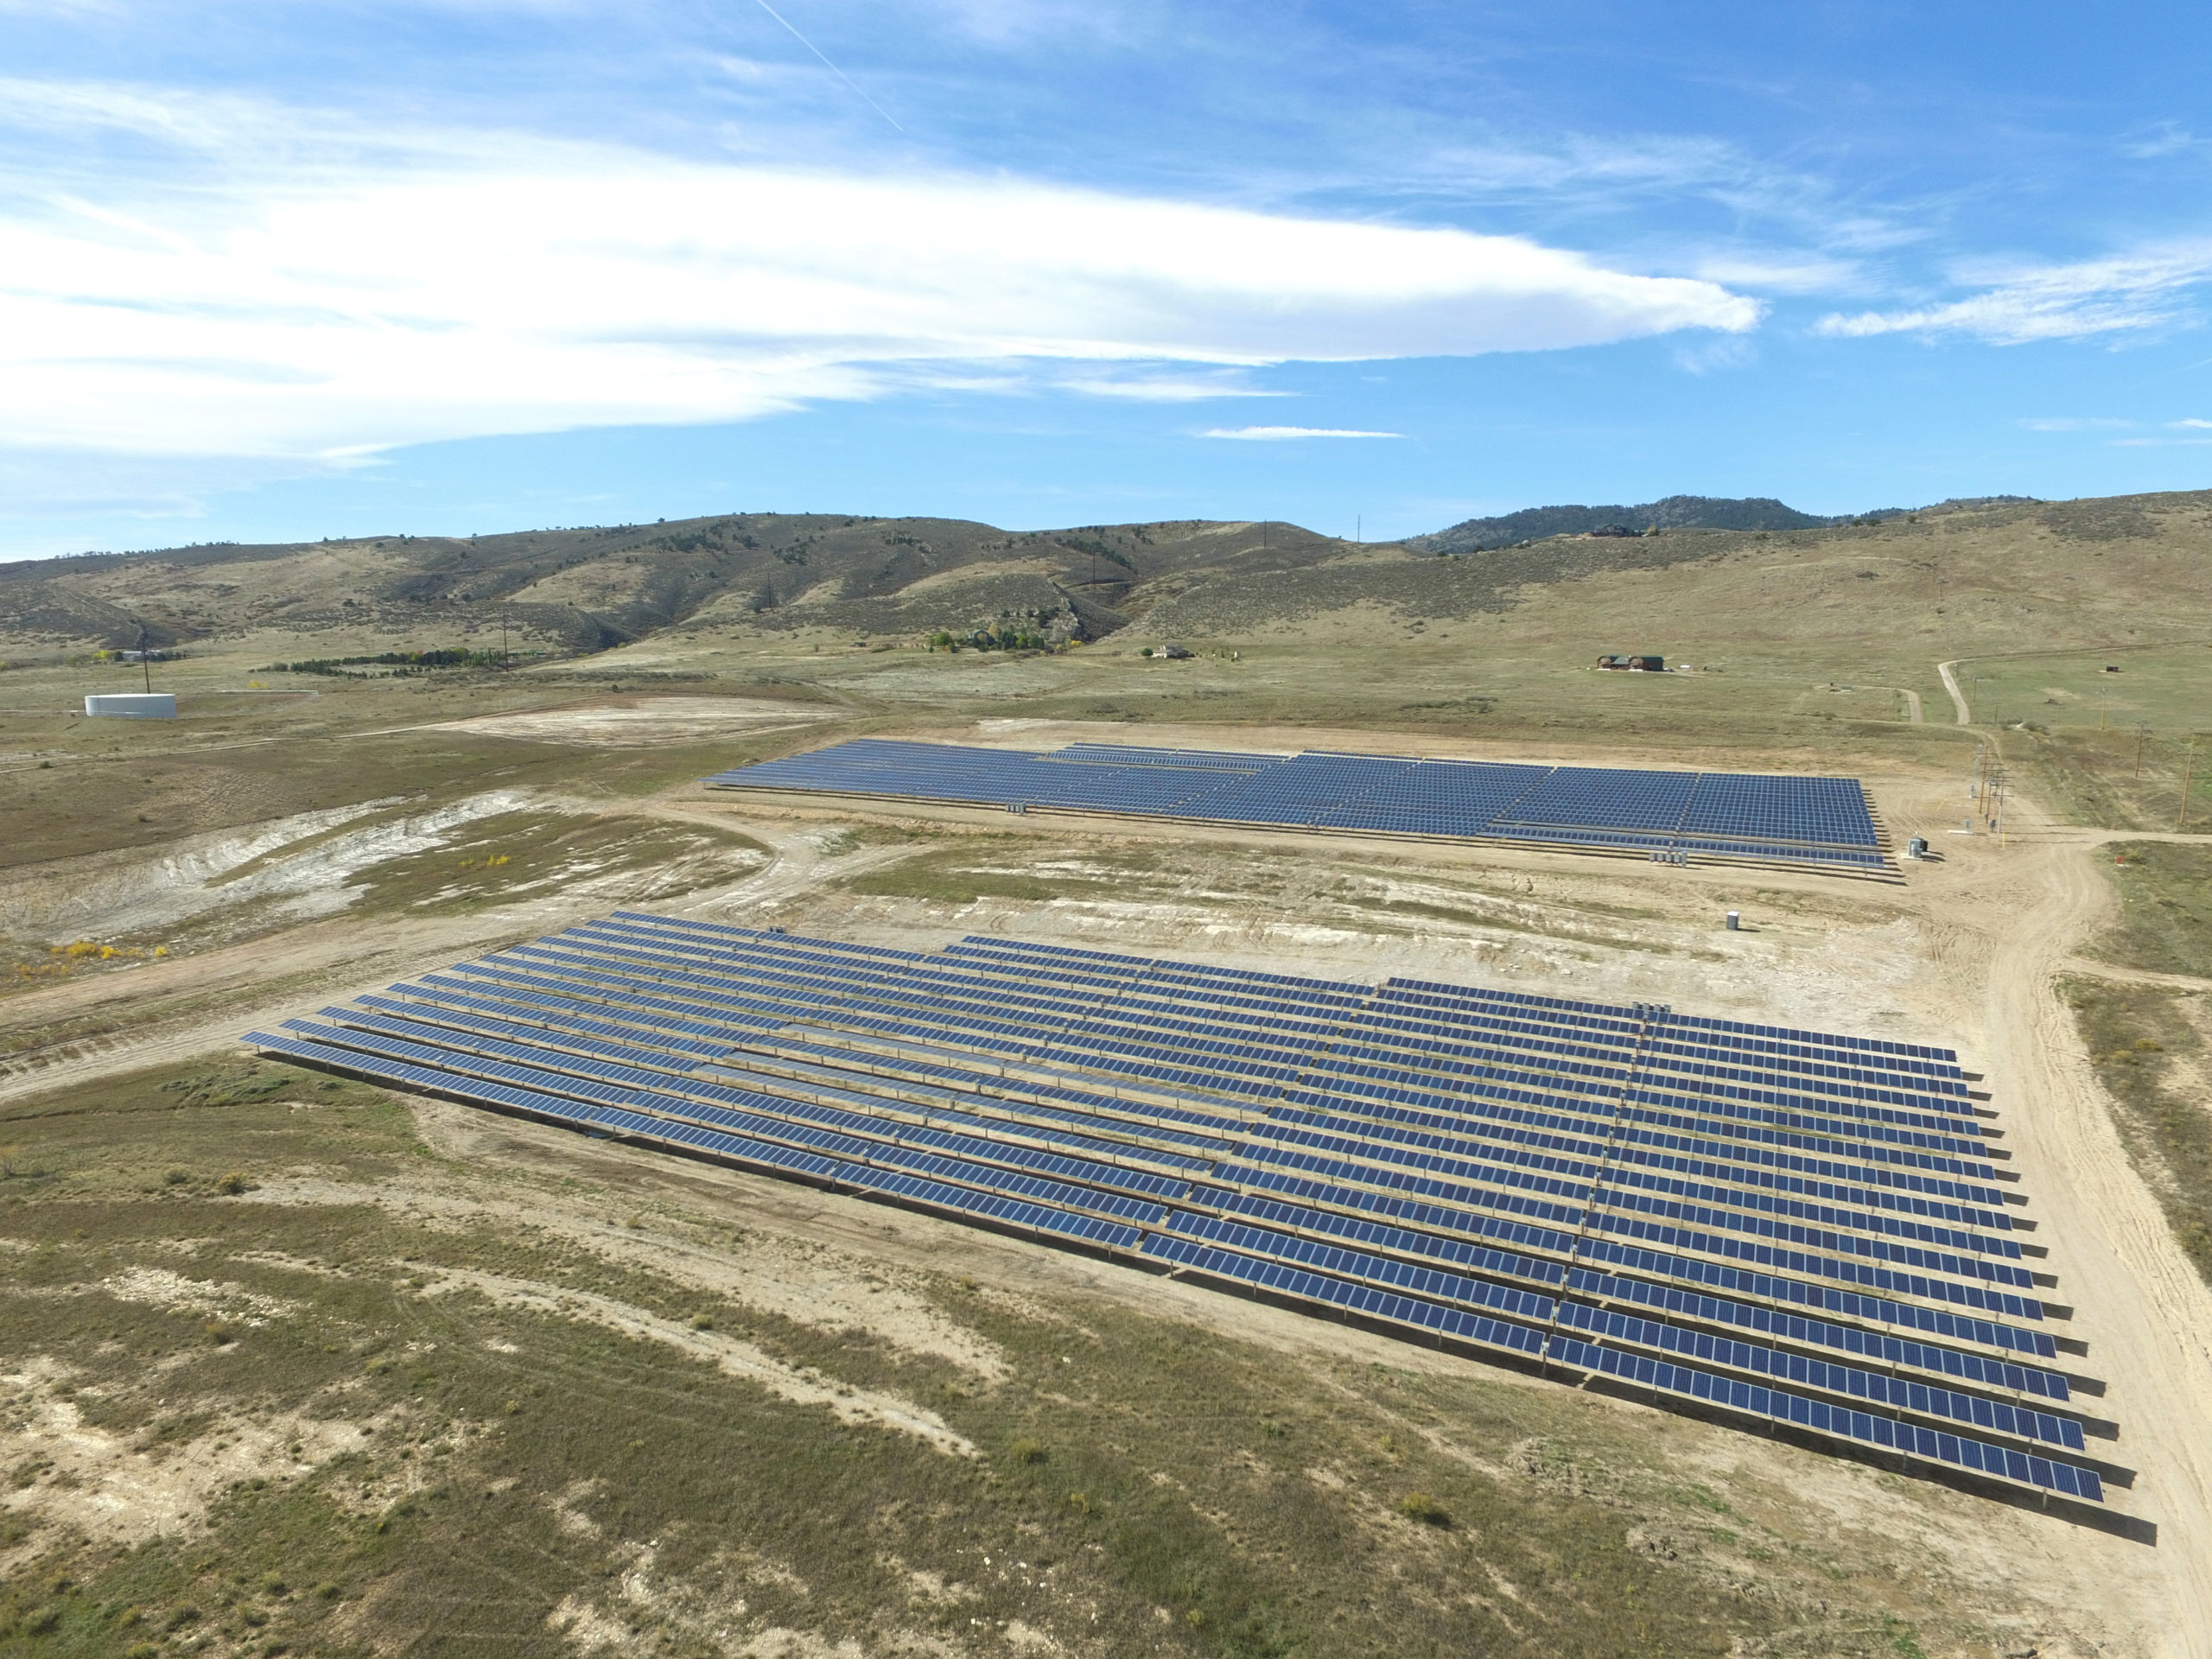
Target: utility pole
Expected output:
[2187,766]
[2141,732]
[503,636]
[146,662]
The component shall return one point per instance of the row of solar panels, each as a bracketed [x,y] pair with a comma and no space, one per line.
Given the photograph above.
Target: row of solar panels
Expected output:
[1772,1055]
[1881,1175]
[1818,820]
[384,1041]
[1853,1273]
[618,1018]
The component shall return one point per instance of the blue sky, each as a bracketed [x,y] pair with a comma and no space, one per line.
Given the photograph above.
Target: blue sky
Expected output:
[277,271]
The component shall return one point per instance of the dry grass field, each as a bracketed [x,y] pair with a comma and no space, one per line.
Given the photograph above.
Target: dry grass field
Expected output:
[293,1365]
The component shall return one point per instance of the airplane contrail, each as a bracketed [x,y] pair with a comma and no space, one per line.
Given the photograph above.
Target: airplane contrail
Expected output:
[832,67]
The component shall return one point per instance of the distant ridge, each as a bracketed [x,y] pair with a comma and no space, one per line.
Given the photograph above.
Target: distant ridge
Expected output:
[1673,512]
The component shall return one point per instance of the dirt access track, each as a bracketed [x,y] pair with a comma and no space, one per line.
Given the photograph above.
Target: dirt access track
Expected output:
[1988,929]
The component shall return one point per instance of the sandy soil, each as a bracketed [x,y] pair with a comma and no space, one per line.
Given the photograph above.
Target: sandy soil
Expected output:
[831,1290]
[729,1354]
[301,864]
[648,720]
[2139,1305]
[1036,735]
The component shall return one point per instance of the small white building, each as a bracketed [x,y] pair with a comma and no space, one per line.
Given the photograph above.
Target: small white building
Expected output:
[133,705]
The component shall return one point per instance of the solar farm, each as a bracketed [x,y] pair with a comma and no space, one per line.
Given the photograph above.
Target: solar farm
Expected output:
[1803,1234]
[1822,822]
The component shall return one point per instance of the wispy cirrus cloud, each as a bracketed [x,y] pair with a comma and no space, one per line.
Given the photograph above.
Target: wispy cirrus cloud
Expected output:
[2159,140]
[1281,433]
[1780,272]
[2133,293]
[2072,423]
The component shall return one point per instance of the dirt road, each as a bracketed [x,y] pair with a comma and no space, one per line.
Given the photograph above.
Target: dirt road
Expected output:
[1958,697]
[2139,1304]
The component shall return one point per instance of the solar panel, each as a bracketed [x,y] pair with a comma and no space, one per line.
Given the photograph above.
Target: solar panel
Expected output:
[1825,822]
[1782,1225]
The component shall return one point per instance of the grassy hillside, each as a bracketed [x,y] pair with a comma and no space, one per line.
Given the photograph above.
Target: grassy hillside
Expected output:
[2095,573]
[587,588]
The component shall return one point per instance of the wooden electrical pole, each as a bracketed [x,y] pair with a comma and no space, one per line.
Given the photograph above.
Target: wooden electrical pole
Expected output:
[2141,732]
[2188,766]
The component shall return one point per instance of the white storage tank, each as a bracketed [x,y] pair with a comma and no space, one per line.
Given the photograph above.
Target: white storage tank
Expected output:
[133,705]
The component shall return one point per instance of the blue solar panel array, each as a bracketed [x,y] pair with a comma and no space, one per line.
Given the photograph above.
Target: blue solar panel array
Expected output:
[1819,821]
[1789,1226]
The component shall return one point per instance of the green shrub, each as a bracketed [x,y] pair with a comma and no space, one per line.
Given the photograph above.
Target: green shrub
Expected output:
[1419,1506]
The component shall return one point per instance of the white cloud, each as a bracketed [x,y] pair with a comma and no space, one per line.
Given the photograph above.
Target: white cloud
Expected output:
[1278,433]
[2204,425]
[1166,389]
[2125,293]
[1781,273]
[342,293]
[2161,139]
[2072,423]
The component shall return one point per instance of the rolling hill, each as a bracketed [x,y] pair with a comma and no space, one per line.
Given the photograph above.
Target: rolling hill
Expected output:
[1945,581]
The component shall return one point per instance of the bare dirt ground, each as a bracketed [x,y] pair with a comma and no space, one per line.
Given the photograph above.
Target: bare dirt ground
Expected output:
[1033,735]
[1966,951]
[647,721]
